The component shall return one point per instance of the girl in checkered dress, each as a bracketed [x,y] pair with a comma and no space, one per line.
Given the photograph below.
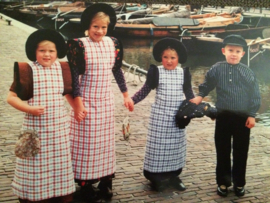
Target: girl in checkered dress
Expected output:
[95,58]
[166,144]
[48,176]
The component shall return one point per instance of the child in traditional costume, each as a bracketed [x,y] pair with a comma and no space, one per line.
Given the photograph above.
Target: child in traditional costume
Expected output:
[166,143]
[48,176]
[95,59]
[238,100]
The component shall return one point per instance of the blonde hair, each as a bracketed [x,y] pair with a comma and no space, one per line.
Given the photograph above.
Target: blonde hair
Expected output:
[99,16]
[44,42]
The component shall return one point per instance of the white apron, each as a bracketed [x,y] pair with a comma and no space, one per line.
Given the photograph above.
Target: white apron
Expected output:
[166,143]
[49,174]
[92,140]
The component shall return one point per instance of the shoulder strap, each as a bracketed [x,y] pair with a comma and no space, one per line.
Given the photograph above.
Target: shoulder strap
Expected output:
[24,78]
[66,77]
[152,78]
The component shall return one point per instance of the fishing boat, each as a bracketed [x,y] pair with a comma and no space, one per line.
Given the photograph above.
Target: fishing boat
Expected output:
[38,9]
[170,26]
[130,7]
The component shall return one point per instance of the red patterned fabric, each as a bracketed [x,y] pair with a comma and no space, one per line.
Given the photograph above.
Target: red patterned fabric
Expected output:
[92,140]
[48,174]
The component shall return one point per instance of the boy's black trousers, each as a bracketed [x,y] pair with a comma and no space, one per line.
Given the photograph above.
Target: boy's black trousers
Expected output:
[231,135]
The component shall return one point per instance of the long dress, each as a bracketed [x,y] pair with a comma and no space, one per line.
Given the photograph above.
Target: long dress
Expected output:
[92,140]
[166,143]
[49,174]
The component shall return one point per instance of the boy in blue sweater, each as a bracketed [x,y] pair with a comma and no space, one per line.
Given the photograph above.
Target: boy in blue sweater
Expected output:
[238,100]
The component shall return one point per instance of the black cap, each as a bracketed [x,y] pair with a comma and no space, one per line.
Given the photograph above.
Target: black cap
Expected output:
[236,40]
[92,10]
[41,35]
[175,44]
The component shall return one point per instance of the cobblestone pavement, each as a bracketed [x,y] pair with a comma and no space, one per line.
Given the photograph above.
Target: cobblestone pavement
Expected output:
[130,184]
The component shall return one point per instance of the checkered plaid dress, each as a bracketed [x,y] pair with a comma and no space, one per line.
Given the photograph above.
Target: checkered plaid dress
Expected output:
[92,140]
[166,143]
[49,174]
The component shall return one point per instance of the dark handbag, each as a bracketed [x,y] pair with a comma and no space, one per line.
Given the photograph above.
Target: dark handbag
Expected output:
[189,110]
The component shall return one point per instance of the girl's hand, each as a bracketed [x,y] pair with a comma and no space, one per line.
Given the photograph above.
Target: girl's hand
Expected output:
[36,110]
[129,104]
[197,100]
[80,113]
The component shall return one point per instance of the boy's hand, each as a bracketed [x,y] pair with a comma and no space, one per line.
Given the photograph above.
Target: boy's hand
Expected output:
[129,104]
[36,110]
[197,100]
[250,123]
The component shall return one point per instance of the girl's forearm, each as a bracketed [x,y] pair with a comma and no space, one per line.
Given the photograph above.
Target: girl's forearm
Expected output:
[17,103]
[74,102]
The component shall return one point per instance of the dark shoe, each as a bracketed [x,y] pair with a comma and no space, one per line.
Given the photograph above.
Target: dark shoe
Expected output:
[177,184]
[239,191]
[106,194]
[105,191]
[159,186]
[90,194]
[222,190]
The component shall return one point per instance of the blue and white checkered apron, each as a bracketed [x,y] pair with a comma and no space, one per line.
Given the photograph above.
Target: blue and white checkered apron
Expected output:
[92,140]
[49,174]
[166,143]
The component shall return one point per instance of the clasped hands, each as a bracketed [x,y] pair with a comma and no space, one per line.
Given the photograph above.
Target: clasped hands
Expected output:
[80,112]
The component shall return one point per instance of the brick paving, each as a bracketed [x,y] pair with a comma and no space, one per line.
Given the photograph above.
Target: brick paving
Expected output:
[130,184]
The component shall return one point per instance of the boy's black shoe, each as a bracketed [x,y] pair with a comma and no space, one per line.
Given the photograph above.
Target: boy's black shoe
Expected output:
[177,183]
[159,186]
[239,191]
[222,190]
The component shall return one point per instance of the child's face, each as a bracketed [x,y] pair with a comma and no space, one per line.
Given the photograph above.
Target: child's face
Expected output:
[46,53]
[233,54]
[169,59]
[98,29]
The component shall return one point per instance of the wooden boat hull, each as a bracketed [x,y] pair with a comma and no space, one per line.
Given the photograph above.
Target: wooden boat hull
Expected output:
[207,23]
[150,30]
[250,27]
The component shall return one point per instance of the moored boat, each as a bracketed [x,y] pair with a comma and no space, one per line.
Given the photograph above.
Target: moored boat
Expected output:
[49,9]
[173,27]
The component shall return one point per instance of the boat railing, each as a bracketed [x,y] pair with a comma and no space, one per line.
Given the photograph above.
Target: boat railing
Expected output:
[127,15]
[261,50]
[62,14]
[133,73]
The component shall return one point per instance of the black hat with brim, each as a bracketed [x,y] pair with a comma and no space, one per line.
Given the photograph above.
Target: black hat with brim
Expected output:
[235,40]
[45,34]
[172,43]
[90,11]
